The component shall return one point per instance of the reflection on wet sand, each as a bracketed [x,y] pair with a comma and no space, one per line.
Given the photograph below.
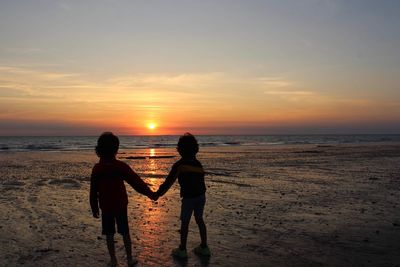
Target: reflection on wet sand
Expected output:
[153,234]
[152,166]
[146,226]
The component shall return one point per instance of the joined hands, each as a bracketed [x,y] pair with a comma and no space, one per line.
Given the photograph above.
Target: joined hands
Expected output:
[154,196]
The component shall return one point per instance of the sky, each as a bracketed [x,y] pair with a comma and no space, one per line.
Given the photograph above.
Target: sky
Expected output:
[81,67]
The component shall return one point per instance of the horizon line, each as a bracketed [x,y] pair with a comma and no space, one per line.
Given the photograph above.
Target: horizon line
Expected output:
[158,135]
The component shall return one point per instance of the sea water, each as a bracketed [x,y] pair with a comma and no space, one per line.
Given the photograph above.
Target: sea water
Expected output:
[76,143]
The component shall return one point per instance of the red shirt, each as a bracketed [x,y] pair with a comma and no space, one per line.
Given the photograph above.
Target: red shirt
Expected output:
[107,186]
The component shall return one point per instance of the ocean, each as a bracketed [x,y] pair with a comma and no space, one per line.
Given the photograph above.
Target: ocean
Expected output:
[77,143]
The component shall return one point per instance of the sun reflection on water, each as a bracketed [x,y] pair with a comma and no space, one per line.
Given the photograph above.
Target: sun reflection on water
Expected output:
[152,152]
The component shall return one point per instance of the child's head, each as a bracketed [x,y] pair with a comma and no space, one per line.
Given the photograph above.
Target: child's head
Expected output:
[187,145]
[107,145]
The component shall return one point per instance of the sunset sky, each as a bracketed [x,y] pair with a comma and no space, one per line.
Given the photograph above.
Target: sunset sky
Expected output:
[81,67]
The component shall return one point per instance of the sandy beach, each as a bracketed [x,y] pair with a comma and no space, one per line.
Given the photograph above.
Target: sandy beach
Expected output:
[300,205]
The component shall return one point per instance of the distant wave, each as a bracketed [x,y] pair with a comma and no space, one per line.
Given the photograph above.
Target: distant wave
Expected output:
[232,143]
[74,143]
[161,145]
[42,147]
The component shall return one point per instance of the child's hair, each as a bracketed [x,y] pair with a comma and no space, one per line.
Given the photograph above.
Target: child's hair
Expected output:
[107,145]
[187,145]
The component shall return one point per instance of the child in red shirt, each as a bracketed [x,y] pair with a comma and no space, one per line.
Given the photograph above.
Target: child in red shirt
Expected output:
[107,188]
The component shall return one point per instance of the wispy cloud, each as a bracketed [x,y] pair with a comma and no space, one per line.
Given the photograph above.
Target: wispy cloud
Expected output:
[212,91]
[175,98]
[24,50]
[274,82]
[13,73]
[282,87]
[173,81]
[166,89]
[31,83]
[289,93]
[44,94]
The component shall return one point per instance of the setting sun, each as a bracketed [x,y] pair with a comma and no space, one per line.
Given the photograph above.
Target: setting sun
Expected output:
[151,126]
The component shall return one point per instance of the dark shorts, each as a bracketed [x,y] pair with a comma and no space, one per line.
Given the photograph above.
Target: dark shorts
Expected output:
[190,205]
[108,223]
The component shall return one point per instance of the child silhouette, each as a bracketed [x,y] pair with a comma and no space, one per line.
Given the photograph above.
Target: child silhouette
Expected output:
[107,188]
[190,174]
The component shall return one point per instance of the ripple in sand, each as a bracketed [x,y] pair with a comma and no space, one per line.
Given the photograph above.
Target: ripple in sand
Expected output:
[153,175]
[230,182]
[12,185]
[41,182]
[66,182]
[13,166]
[308,151]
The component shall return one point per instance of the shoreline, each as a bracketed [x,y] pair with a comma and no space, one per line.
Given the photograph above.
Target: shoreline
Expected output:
[172,147]
[82,143]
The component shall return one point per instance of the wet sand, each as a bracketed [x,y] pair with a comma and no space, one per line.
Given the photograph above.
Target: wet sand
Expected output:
[305,205]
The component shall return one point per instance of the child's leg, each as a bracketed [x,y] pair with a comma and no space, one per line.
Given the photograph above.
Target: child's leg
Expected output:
[128,249]
[123,229]
[184,234]
[128,245]
[198,215]
[186,213]
[202,230]
[111,249]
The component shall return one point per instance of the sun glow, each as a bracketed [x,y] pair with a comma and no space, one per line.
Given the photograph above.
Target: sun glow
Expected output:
[151,126]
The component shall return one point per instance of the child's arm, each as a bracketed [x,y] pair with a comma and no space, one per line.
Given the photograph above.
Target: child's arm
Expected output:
[136,182]
[169,181]
[93,195]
